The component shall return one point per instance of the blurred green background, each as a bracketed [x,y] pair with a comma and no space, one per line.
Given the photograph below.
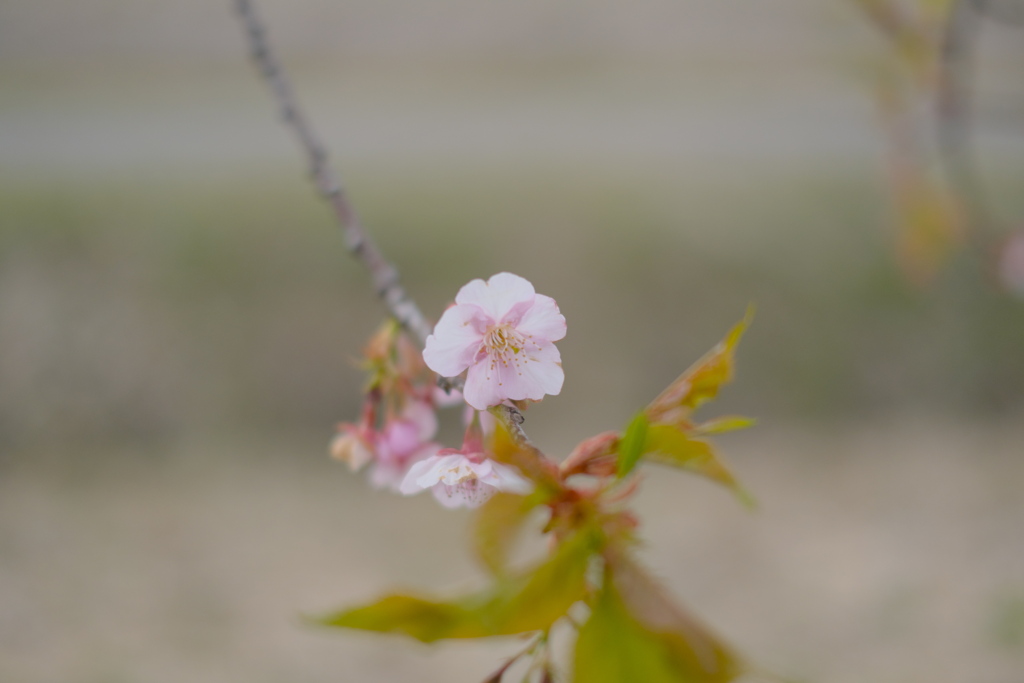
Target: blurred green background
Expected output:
[179,319]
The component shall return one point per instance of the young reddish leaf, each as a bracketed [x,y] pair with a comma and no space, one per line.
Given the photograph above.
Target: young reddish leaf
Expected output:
[530,601]
[701,381]
[593,455]
[497,526]
[721,425]
[670,446]
[632,445]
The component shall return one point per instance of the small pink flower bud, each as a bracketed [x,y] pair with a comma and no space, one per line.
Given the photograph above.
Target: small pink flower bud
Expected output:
[403,441]
[351,448]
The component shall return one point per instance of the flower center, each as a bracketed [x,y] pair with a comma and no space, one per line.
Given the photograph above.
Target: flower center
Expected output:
[503,339]
[506,348]
[460,474]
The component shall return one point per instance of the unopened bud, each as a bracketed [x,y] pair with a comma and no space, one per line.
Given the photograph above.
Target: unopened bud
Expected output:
[350,449]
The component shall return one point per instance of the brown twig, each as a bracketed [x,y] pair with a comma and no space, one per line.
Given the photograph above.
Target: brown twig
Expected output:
[384,274]
[513,420]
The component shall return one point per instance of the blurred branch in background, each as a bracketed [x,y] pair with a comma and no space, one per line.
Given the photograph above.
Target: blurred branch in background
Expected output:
[924,93]
[964,22]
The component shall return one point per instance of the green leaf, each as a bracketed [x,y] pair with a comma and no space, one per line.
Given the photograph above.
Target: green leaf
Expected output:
[635,633]
[632,445]
[721,425]
[424,620]
[530,601]
[497,526]
[539,598]
[612,647]
[670,446]
[701,381]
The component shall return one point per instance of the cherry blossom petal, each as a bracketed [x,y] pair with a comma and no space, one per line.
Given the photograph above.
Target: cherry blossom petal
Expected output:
[459,480]
[410,484]
[391,473]
[456,339]
[542,321]
[482,389]
[498,295]
[425,474]
[470,494]
[505,478]
[387,474]
[539,374]
[400,438]
[422,416]
[509,353]
[459,468]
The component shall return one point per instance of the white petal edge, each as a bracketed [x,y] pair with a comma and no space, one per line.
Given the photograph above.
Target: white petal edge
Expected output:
[452,347]
[410,485]
[508,479]
[543,321]
[498,295]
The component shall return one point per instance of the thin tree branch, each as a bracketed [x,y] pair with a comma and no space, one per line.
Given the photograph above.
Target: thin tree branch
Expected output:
[384,274]
[512,419]
[953,100]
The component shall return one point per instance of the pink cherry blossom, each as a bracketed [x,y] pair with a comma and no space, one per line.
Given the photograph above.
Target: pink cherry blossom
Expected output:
[465,477]
[503,332]
[403,441]
[462,480]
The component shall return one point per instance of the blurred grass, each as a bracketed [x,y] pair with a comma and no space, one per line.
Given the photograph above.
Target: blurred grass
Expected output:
[157,303]
[884,551]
